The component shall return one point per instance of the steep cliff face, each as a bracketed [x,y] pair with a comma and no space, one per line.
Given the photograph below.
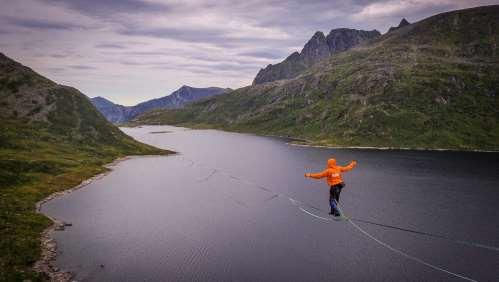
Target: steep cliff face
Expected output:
[315,50]
[318,48]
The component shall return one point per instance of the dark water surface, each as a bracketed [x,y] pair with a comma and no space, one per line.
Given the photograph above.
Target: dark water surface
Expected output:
[178,219]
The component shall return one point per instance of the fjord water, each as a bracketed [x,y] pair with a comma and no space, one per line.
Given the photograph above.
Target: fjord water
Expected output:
[201,215]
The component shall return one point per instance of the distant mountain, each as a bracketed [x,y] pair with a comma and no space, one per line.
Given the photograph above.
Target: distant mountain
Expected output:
[113,112]
[185,94]
[317,48]
[430,84]
[177,99]
[402,23]
[51,138]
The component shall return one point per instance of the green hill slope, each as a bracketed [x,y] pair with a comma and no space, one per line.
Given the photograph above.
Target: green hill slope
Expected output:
[51,139]
[431,84]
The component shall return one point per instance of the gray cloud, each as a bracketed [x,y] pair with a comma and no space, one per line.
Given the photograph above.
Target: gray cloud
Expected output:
[110,46]
[148,53]
[55,69]
[192,35]
[130,63]
[205,58]
[58,56]
[195,67]
[82,67]
[108,7]
[41,24]
[214,36]
[155,46]
[183,34]
[266,54]
[233,67]
[145,63]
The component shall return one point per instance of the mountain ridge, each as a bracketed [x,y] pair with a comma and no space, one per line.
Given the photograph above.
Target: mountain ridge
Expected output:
[186,94]
[317,48]
[431,84]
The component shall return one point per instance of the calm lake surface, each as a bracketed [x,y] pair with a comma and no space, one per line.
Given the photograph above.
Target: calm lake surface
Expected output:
[202,215]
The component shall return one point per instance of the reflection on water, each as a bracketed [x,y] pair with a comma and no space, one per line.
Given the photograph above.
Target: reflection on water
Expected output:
[202,215]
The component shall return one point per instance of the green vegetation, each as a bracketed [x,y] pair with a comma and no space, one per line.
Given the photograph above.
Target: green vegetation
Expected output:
[51,139]
[432,84]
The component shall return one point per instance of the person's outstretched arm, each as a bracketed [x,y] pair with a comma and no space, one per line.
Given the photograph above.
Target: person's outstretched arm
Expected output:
[348,167]
[319,175]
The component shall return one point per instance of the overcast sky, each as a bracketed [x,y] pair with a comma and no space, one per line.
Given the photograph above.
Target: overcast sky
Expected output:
[134,50]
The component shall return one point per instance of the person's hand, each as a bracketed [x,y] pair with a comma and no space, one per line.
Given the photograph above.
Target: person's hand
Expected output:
[307,174]
[354,162]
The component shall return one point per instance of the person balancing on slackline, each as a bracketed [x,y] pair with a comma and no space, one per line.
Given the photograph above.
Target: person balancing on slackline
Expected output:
[334,179]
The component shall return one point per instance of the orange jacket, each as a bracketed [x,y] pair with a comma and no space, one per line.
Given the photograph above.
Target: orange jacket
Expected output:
[332,172]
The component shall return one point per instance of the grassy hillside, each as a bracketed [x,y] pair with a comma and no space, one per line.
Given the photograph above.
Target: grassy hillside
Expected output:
[431,84]
[51,139]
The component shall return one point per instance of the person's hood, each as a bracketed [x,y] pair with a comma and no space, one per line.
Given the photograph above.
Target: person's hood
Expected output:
[331,163]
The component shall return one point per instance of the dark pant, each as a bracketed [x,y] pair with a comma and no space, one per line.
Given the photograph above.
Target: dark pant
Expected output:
[334,196]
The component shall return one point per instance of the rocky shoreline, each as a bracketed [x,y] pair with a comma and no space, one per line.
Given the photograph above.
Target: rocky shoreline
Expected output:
[46,263]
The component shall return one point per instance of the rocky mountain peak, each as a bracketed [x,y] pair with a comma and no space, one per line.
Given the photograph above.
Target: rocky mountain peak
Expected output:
[342,39]
[101,99]
[102,102]
[318,35]
[295,56]
[315,49]
[182,89]
[402,23]
[318,48]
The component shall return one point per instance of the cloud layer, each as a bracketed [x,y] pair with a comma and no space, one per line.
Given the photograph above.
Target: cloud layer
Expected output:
[134,50]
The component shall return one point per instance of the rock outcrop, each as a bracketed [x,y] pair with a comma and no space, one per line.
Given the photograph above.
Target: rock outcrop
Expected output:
[402,23]
[319,47]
